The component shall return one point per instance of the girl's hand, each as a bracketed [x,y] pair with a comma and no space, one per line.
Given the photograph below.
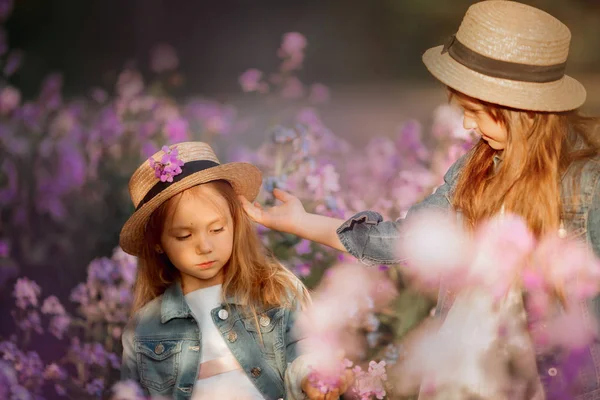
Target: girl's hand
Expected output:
[314,393]
[284,217]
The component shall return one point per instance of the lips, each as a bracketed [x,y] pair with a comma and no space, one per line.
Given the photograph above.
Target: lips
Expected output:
[206,265]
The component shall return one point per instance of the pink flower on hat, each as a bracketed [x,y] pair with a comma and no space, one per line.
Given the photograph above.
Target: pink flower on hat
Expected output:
[169,165]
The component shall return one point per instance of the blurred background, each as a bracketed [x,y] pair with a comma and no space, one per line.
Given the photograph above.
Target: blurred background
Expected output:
[91,88]
[368,52]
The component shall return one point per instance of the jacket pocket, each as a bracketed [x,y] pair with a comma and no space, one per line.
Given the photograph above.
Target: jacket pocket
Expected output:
[159,363]
[269,330]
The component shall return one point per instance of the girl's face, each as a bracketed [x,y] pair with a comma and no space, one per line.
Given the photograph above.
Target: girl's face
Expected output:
[198,236]
[477,119]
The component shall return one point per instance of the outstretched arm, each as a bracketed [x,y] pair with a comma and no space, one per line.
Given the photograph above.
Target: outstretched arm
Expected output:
[290,217]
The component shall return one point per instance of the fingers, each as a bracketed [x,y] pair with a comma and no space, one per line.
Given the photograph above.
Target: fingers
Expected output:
[313,393]
[282,195]
[333,395]
[253,211]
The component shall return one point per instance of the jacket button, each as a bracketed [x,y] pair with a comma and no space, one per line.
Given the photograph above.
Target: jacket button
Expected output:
[264,321]
[232,336]
[256,371]
[159,349]
[223,314]
[552,371]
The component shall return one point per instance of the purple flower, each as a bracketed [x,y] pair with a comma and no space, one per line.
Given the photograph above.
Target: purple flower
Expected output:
[60,390]
[55,372]
[101,270]
[52,306]
[293,42]
[303,247]
[80,294]
[10,98]
[302,270]
[32,321]
[13,62]
[95,387]
[250,80]
[127,390]
[177,130]
[130,84]
[169,165]
[8,379]
[59,325]
[148,148]
[26,293]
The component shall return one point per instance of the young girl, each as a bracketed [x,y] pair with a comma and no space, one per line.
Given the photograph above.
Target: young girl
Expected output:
[213,314]
[537,157]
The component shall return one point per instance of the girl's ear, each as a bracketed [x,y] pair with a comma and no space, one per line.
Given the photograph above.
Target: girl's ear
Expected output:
[158,249]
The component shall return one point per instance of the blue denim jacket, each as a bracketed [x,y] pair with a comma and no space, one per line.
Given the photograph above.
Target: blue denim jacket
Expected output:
[373,241]
[162,345]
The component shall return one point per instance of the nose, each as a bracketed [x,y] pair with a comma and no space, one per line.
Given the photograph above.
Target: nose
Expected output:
[203,246]
[469,123]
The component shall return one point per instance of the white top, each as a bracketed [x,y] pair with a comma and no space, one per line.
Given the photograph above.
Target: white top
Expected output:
[233,385]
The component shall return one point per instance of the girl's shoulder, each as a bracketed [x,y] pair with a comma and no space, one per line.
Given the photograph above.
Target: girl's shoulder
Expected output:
[149,314]
[581,180]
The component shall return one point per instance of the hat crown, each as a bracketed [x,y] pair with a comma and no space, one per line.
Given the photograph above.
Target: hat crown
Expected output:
[144,178]
[514,32]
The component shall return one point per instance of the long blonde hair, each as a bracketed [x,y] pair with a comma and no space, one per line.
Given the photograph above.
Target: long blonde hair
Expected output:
[252,276]
[540,147]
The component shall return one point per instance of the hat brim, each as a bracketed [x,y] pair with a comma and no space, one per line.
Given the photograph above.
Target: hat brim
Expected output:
[563,95]
[246,180]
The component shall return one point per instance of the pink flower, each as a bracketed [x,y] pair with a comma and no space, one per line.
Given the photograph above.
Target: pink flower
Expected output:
[130,84]
[26,293]
[303,247]
[52,306]
[293,42]
[435,248]
[177,130]
[324,182]
[59,325]
[448,123]
[169,165]
[250,80]
[10,98]
[54,372]
[163,58]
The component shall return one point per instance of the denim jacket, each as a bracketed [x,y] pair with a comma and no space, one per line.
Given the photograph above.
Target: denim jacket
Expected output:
[162,345]
[373,241]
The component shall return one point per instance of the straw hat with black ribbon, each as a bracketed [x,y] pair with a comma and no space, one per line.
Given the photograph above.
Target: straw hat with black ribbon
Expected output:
[173,170]
[510,54]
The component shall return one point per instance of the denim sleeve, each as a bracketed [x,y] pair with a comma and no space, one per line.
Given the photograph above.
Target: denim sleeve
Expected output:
[593,220]
[298,366]
[373,241]
[129,370]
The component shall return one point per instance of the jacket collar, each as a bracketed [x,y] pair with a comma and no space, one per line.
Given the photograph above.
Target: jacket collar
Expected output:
[174,304]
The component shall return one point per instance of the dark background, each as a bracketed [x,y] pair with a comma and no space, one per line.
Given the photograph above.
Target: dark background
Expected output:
[351,42]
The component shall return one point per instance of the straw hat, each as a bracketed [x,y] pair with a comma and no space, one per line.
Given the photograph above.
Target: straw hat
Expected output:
[510,54]
[181,166]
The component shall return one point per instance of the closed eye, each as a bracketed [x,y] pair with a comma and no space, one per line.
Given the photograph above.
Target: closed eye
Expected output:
[218,230]
[182,237]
